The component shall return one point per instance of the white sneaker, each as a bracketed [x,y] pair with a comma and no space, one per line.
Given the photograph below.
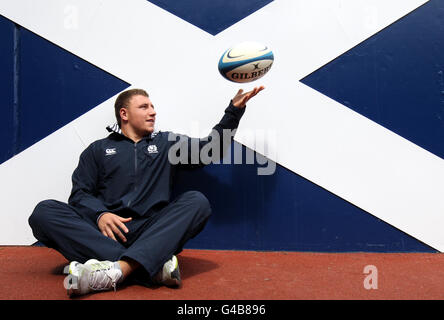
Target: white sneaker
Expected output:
[91,276]
[170,274]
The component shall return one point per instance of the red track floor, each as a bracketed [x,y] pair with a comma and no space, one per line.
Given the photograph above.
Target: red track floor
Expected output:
[35,273]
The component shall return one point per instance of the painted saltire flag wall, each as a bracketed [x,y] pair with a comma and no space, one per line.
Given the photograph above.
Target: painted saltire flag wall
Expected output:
[351,115]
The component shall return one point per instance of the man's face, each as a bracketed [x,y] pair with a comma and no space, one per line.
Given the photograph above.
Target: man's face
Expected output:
[139,114]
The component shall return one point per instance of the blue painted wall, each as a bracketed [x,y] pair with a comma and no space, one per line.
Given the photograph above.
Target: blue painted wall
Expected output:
[284,211]
[212,16]
[43,87]
[395,78]
[7,89]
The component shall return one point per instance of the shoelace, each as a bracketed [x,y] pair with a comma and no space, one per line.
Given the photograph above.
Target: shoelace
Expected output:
[101,279]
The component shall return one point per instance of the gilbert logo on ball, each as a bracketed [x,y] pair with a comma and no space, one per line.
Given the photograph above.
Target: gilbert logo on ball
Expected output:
[246,62]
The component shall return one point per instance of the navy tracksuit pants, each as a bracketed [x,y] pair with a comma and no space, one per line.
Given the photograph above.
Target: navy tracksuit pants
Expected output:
[151,241]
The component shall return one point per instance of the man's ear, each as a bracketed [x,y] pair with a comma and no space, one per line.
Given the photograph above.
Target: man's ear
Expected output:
[123,114]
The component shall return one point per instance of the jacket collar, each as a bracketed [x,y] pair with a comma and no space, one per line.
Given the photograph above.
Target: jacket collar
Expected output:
[116,129]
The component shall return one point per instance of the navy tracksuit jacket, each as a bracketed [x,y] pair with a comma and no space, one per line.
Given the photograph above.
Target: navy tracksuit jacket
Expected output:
[116,175]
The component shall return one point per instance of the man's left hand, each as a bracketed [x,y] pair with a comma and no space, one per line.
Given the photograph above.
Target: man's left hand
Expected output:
[241,98]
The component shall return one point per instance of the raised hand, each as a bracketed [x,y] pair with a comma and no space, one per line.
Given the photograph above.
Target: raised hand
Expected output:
[241,98]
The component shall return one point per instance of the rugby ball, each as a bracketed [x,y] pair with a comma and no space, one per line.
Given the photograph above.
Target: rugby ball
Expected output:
[246,62]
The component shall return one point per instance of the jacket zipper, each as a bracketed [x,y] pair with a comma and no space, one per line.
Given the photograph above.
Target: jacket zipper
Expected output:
[135,163]
[135,170]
